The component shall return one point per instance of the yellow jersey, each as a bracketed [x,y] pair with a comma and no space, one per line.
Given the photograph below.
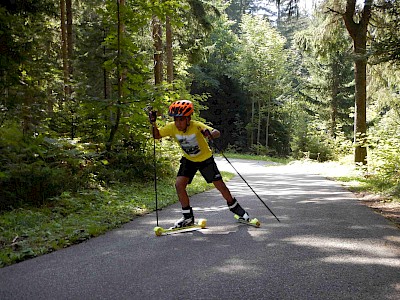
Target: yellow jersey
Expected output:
[192,141]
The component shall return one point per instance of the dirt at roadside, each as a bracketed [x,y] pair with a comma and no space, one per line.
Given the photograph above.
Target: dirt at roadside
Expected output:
[390,210]
[380,204]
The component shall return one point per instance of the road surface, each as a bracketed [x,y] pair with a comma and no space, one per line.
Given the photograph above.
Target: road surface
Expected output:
[327,246]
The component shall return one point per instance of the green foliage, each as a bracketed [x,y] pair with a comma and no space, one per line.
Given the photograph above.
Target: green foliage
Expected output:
[230,153]
[386,160]
[35,169]
[384,157]
[75,217]
[325,48]
[55,142]
[216,76]
[128,163]
[239,70]
[261,70]
[385,42]
[263,94]
[20,36]
[311,140]
[259,149]
[313,146]
[383,136]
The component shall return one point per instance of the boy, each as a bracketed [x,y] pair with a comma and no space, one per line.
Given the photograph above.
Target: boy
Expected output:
[197,156]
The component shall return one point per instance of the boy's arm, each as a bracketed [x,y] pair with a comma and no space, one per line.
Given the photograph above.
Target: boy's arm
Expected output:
[213,134]
[155,131]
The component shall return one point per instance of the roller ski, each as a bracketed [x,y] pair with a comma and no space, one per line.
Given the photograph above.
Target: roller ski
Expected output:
[251,222]
[201,224]
[241,215]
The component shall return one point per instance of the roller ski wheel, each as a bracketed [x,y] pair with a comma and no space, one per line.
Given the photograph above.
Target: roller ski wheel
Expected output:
[252,222]
[200,224]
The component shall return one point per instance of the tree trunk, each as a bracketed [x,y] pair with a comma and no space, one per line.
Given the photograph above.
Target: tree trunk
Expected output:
[115,119]
[253,108]
[278,6]
[64,52]
[168,41]
[360,123]
[70,47]
[268,120]
[358,32]
[70,43]
[334,99]
[105,76]
[158,65]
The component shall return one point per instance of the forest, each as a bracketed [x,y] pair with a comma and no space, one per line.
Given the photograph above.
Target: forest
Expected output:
[78,78]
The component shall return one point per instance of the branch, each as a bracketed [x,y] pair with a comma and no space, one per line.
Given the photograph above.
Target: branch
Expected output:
[350,8]
[366,13]
[331,10]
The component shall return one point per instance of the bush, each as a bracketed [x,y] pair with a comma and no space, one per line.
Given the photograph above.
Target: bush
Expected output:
[259,149]
[384,160]
[128,166]
[31,184]
[383,152]
[35,168]
[316,145]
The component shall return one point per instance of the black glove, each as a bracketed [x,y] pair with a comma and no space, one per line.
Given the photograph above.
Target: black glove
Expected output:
[207,134]
[152,116]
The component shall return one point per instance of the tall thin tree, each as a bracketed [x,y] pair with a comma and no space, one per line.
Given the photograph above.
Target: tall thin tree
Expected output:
[158,50]
[116,118]
[64,45]
[70,43]
[168,49]
[358,32]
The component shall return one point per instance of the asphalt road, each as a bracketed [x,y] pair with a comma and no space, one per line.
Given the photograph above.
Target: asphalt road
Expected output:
[327,246]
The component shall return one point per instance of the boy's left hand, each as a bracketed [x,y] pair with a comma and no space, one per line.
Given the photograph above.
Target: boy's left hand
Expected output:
[207,134]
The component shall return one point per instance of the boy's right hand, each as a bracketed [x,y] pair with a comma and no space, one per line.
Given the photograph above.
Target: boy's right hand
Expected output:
[152,116]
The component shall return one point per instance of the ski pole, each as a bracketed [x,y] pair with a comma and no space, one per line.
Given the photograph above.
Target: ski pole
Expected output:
[259,198]
[155,175]
[155,172]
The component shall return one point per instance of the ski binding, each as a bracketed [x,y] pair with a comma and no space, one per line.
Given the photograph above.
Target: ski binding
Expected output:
[201,224]
[252,222]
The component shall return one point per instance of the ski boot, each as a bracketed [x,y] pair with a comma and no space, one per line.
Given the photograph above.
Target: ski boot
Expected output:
[242,216]
[186,220]
[238,210]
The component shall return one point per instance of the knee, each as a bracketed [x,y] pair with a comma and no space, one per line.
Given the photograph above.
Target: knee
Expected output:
[180,185]
[220,185]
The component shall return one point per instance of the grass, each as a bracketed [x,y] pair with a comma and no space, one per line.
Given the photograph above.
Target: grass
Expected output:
[259,157]
[73,218]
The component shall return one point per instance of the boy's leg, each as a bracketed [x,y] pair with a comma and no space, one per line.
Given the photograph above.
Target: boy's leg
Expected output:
[223,189]
[185,175]
[180,186]
[233,204]
[188,218]
[210,172]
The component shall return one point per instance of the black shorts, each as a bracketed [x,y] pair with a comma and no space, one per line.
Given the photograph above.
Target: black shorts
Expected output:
[207,168]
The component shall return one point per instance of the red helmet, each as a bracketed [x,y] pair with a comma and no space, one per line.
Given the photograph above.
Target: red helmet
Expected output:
[181,108]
